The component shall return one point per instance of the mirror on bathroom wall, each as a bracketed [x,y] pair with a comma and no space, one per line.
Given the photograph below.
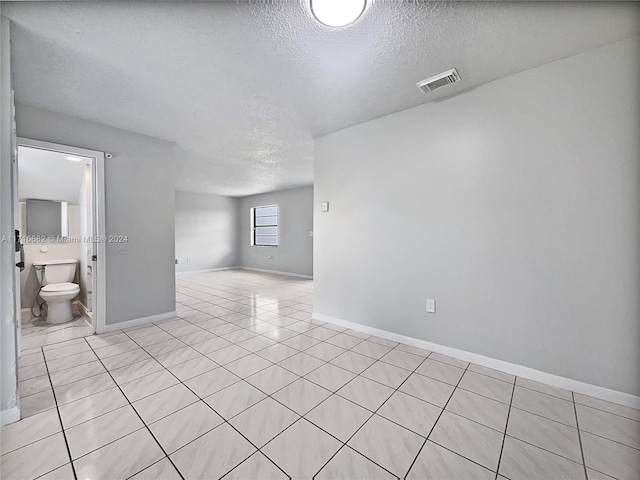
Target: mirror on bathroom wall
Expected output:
[45,218]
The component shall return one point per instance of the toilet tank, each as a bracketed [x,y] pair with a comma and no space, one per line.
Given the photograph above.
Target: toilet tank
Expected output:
[55,271]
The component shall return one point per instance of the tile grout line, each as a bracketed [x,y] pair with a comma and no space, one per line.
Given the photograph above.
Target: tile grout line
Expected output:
[324,362]
[344,444]
[227,421]
[299,377]
[610,412]
[201,399]
[333,393]
[397,390]
[271,395]
[436,422]
[78,380]
[141,419]
[537,447]
[575,411]
[570,426]
[617,442]
[362,340]
[506,425]
[152,356]
[64,433]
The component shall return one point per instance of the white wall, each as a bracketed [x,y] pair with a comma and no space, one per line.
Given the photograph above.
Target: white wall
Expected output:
[294,253]
[139,183]
[85,224]
[516,206]
[206,231]
[8,347]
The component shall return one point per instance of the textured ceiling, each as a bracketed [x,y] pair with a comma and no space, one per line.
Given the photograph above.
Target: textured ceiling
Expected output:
[49,175]
[242,88]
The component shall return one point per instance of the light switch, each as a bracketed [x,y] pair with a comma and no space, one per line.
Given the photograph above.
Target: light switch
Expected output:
[325,206]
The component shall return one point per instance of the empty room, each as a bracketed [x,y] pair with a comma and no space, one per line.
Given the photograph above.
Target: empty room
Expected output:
[320,239]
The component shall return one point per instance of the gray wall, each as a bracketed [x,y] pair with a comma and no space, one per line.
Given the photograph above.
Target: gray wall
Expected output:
[8,366]
[206,231]
[516,206]
[139,182]
[294,254]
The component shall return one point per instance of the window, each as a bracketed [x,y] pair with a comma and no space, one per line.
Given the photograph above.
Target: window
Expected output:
[264,226]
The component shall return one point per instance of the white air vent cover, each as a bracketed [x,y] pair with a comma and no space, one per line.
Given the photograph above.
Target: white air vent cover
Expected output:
[440,80]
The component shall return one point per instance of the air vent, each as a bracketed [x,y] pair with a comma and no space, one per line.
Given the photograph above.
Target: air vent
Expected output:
[440,80]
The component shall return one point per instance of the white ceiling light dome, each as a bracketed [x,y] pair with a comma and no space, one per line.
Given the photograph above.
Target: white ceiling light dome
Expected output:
[337,13]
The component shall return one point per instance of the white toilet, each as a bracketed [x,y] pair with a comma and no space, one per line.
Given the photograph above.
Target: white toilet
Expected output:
[58,291]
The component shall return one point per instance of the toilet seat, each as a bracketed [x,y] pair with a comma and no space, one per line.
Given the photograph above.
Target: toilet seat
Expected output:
[60,287]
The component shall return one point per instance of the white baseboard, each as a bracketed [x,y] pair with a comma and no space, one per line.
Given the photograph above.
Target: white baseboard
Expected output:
[275,272]
[139,321]
[191,272]
[10,415]
[577,386]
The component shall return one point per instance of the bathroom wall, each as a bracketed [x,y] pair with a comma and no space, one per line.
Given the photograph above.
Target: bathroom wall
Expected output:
[294,253]
[206,231]
[139,196]
[60,249]
[515,205]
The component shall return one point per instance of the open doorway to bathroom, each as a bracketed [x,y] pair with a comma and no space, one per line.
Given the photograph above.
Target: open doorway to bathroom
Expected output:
[59,212]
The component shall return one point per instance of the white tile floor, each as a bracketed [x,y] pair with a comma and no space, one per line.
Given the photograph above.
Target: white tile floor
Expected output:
[244,385]
[36,332]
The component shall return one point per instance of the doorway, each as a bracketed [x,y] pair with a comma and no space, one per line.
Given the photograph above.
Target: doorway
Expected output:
[60,227]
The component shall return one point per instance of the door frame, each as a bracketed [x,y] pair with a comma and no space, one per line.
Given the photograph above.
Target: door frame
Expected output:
[99,300]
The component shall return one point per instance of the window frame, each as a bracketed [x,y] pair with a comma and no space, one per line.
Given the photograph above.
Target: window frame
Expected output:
[254,226]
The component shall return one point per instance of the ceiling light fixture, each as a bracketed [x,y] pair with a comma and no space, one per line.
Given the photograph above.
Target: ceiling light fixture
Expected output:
[74,159]
[337,13]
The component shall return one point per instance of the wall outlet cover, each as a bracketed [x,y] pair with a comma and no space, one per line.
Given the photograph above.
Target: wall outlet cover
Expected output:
[431,305]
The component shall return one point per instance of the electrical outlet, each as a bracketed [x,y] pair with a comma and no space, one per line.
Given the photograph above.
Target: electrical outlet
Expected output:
[431,305]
